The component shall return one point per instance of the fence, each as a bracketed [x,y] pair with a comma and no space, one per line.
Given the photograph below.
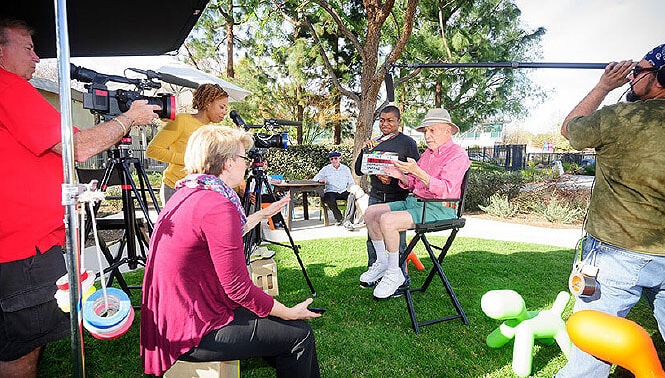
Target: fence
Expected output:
[514,157]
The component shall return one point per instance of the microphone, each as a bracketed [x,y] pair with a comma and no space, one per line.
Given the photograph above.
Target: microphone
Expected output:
[237,119]
[282,122]
[167,78]
[86,75]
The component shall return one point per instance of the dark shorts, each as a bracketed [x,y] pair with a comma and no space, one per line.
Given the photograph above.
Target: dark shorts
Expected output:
[435,210]
[29,314]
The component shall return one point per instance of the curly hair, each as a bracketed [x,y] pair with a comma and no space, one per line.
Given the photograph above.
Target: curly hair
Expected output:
[207,93]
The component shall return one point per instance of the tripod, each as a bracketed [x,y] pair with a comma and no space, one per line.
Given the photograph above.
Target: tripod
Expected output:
[256,181]
[118,172]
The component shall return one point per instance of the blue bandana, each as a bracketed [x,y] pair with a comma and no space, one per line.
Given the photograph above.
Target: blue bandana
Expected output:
[656,56]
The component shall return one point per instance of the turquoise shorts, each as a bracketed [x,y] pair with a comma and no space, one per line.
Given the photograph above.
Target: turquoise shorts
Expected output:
[436,211]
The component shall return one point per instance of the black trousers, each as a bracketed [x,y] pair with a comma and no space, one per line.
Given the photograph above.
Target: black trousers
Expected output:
[288,345]
[330,199]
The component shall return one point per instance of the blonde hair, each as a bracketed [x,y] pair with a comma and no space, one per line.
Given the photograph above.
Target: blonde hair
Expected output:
[211,146]
[206,94]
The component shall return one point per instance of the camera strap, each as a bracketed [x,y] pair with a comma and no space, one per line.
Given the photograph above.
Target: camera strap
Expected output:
[579,249]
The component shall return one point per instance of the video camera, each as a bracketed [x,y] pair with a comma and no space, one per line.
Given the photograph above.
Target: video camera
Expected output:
[107,103]
[263,140]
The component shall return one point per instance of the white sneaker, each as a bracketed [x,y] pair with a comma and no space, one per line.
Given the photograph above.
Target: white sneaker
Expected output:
[374,273]
[391,281]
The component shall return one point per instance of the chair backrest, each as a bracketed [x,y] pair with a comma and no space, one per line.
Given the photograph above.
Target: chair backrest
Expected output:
[462,194]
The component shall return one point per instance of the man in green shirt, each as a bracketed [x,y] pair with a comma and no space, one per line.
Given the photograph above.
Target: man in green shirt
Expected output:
[626,217]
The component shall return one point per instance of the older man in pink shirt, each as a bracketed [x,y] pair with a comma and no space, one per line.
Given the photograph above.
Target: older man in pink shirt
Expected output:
[437,174]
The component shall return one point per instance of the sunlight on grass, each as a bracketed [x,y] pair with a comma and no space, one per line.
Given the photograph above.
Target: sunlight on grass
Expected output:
[362,337]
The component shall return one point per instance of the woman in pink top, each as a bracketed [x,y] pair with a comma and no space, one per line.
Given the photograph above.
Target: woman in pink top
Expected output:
[199,303]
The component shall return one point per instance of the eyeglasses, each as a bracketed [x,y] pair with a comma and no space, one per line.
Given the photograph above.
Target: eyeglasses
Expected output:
[247,159]
[638,70]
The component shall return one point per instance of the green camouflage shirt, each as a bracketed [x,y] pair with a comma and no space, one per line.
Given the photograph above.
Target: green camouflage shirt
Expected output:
[627,207]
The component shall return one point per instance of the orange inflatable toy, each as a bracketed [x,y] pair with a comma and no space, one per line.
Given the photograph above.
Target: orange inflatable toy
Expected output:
[615,340]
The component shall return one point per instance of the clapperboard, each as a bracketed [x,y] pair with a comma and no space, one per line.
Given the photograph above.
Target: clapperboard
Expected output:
[374,162]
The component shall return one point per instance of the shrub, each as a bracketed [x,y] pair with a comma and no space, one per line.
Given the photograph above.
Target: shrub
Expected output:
[483,184]
[559,212]
[302,162]
[499,206]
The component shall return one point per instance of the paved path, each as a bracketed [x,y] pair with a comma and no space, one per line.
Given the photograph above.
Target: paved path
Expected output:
[475,228]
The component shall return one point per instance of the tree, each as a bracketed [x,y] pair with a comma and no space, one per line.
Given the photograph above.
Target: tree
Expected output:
[468,32]
[373,53]
[203,50]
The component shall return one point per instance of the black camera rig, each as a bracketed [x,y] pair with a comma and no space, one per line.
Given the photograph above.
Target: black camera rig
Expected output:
[108,103]
[263,141]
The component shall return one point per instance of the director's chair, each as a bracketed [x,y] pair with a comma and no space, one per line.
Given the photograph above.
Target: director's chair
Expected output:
[422,229]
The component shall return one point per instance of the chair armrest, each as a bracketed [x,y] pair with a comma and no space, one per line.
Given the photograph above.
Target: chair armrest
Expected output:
[434,200]
[439,199]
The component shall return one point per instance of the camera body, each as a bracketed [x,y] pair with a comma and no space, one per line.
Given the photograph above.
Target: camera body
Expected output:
[107,103]
[100,100]
[278,140]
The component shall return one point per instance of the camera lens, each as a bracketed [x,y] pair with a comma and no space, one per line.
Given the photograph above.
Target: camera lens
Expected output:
[268,141]
[166,102]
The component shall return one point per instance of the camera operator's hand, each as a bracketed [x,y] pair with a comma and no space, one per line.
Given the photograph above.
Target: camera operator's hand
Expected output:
[140,113]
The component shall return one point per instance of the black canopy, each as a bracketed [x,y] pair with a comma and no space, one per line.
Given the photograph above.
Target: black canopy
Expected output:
[109,27]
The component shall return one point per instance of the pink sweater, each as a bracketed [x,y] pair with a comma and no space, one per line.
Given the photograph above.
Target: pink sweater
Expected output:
[195,277]
[446,166]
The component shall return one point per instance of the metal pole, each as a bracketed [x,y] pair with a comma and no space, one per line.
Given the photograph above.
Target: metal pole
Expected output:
[504,65]
[69,190]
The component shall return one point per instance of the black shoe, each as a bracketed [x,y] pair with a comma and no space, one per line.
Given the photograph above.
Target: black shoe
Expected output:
[338,223]
[367,285]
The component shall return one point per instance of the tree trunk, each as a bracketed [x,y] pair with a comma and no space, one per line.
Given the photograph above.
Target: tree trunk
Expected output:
[230,72]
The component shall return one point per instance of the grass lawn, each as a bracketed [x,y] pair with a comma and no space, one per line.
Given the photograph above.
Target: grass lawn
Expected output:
[361,337]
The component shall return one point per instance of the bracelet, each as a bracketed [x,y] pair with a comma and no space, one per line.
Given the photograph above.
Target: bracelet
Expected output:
[131,121]
[124,128]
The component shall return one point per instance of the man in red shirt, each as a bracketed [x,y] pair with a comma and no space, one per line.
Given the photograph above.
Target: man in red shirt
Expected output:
[32,230]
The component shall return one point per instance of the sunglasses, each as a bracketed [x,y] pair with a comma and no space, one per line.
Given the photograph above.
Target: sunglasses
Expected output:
[638,70]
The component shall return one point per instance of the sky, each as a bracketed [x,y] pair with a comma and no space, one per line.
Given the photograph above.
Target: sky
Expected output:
[586,31]
[578,31]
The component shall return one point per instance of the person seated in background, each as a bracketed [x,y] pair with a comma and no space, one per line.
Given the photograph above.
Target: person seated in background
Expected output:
[438,174]
[199,302]
[337,178]
[211,102]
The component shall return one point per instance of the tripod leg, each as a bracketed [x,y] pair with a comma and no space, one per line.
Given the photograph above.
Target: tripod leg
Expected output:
[294,247]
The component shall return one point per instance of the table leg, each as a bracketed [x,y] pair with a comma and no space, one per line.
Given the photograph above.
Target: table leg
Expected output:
[304,205]
[290,210]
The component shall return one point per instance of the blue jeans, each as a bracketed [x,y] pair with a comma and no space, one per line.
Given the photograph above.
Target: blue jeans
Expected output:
[623,276]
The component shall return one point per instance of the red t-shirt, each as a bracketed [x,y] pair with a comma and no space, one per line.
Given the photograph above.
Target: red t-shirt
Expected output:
[31,174]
